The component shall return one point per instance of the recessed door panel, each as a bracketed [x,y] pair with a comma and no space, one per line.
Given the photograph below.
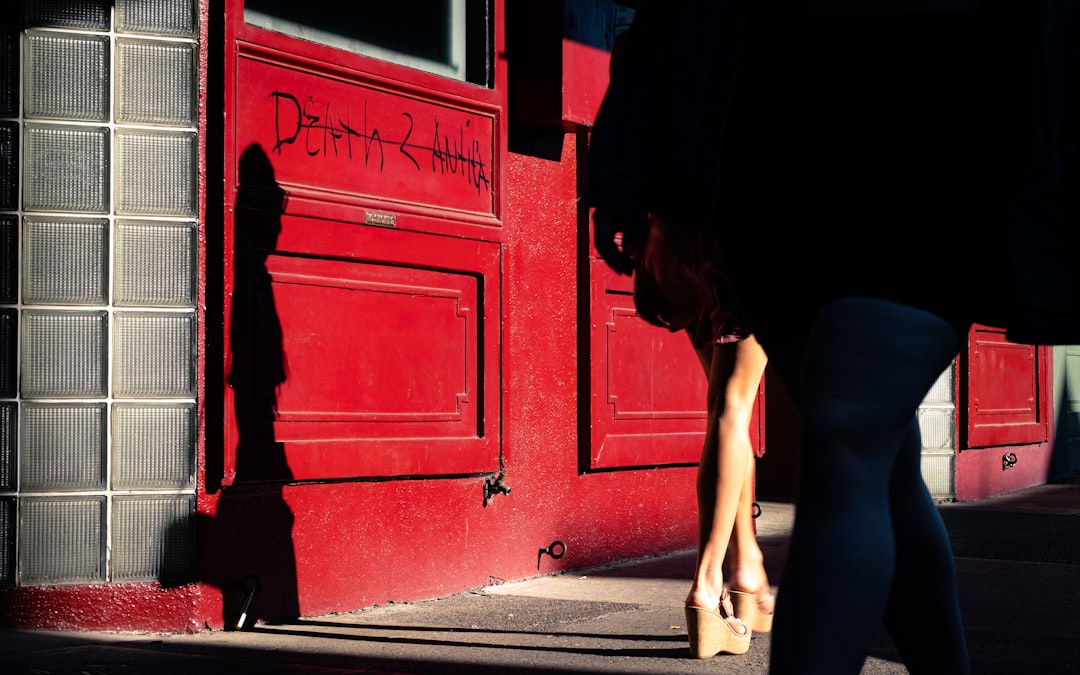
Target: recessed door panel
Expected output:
[1005,385]
[372,344]
[377,365]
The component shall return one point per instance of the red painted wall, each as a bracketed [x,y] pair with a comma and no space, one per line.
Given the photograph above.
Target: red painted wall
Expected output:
[982,473]
[333,547]
[1005,406]
[325,545]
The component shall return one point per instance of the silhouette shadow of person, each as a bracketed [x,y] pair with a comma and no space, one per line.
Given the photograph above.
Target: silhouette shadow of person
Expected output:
[248,547]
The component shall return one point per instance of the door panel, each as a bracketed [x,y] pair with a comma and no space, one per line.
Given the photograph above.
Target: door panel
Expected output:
[1005,384]
[340,140]
[369,366]
[362,347]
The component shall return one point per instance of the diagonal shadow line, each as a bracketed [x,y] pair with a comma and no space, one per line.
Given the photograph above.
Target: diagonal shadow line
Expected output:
[679,653]
[678,637]
[882,649]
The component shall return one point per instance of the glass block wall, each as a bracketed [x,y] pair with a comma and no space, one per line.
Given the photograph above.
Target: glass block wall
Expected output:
[98,269]
[937,423]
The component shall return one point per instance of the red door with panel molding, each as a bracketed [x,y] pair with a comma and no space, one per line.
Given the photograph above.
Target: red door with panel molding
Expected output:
[362,258]
[1006,391]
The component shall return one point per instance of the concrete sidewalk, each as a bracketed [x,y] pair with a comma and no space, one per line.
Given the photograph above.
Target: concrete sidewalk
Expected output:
[1018,559]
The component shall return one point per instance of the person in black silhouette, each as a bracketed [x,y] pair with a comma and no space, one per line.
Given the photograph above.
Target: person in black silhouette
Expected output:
[896,171]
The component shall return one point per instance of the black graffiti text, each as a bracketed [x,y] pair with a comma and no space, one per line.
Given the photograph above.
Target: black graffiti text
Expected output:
[458,157]
[319,131]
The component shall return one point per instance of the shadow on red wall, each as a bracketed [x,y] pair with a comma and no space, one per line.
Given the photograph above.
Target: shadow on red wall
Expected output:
[246,547]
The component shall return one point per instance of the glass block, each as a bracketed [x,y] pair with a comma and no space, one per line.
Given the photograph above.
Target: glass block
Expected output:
[153,446]
[936,427]
[64,354]
[89,14]
[9,415]
[939,472]
[156,173]
[153,538]
[9,74]
[161,17]
[155,263]
[9,257]
[942,391]
[67,76]
[7,540]
[67,168]
[9,166]
[156,84]
[9,324]
[154,355]
[63,446]
[61,540]
[65,261]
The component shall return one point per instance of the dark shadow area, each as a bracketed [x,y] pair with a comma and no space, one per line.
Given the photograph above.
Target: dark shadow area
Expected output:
[1030,537]
[337,652]
[671,646]
[214,232]
[258,365]
[67,654]
[1065,460]
[536,142]
[778,469]
[304,627]
[583,311]
[246,547]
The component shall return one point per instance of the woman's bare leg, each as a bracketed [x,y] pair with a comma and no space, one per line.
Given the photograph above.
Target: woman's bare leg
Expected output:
[745,563]
[734,372]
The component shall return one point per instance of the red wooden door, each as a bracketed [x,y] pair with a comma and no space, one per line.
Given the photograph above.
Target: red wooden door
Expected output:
[363,207]
[1006,386]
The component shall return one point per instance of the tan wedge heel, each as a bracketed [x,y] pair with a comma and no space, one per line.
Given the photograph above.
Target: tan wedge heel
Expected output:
[711,632]
[754,609]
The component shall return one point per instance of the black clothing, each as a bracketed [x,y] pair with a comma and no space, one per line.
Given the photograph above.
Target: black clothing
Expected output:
[838,153]
[873,145]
